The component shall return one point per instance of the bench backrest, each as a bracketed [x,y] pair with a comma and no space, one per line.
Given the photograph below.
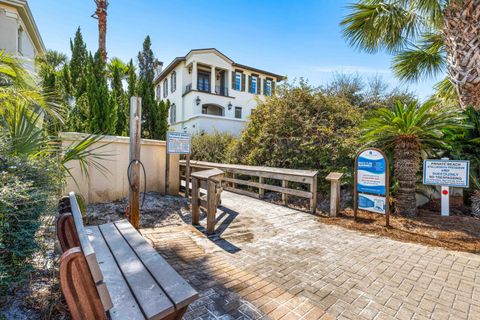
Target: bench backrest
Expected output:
[89,254]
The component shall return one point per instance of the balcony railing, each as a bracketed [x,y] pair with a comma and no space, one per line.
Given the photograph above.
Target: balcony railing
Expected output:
[188,88]
[221,91]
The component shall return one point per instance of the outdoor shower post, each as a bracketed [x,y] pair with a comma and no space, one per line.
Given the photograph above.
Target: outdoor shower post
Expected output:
[134,164]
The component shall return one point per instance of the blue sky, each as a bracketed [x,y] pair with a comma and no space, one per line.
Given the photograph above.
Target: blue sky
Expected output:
[297,38]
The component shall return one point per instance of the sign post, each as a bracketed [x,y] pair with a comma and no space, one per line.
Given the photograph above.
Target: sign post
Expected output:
[179,143]
[371,190]
[446,173]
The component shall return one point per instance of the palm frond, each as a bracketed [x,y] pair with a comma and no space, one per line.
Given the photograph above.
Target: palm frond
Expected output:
[87,154]
[373,25]
[424,60]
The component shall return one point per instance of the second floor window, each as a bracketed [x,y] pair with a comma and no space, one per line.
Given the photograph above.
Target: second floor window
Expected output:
[165,88]
[238,81]
[268,87]
[173,81]
[203,81]
[159,96]
[253,84]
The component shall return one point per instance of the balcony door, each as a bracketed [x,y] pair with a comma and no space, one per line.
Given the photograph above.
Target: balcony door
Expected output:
[203,81]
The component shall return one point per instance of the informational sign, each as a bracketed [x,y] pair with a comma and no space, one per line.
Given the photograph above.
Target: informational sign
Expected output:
[371,168]
[178,142]
[372,203]
[447,173]
[371,183]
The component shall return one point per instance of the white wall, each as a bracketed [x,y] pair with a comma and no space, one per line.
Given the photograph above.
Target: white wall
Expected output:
[99,188]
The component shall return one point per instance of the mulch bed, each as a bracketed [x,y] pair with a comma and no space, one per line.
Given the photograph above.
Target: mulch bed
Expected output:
[459,231]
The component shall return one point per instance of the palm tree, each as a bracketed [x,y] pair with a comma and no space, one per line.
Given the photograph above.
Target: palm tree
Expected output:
[19,86]
[22,125]
[425,36]
[117,71]
[409,131]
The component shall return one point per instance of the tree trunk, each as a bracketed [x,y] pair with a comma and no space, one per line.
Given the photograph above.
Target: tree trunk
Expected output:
[461,29]
[476,203]
[406,165]
[102,26]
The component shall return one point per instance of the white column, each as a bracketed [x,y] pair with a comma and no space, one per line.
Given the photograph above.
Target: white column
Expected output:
[194,75]
[212,80]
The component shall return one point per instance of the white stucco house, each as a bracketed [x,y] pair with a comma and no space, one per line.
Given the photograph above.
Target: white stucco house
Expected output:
[19,34]
[210,92]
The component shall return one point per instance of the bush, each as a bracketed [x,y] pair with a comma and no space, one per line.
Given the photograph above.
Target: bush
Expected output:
[28,191]
[211,147]
[301,128]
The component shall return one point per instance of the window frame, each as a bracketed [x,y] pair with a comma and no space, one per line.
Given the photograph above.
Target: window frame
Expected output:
[238,80]
[165,88]
[173,114]
[256,78]
[173,82]
[239,109]
[268,87]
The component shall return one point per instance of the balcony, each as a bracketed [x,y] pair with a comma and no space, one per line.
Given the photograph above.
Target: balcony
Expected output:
[221,91]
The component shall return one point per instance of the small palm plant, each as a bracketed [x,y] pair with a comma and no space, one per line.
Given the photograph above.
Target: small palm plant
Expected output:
[410,131]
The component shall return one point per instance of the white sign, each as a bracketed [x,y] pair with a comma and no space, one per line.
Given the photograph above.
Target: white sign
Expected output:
[372,203]
[371,168]
[450,173]
[178,142]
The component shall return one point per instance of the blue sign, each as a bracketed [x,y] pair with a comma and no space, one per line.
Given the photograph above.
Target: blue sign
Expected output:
[371,169]
[372,203]
[178,142]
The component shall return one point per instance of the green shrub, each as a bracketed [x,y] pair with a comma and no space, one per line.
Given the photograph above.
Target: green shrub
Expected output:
[211,147]
[301,128]
[28,191]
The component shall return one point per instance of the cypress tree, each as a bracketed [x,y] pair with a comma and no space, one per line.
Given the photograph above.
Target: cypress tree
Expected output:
[153,114]
[117,72]
[78,63]
[103,113]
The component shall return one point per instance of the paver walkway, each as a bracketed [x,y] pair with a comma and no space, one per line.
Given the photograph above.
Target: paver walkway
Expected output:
[279,263]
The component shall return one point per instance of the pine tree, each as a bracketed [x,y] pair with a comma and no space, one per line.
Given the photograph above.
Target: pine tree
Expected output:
[103,113]
[153,114]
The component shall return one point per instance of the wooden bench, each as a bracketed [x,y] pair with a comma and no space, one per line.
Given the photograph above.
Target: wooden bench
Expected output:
[110,272]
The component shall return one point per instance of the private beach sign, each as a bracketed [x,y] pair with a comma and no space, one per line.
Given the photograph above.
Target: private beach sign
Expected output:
[450,173]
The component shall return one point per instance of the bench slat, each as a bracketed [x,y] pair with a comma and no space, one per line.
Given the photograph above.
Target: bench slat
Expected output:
[179,290]
[124,304]
[87,249]
[151,298]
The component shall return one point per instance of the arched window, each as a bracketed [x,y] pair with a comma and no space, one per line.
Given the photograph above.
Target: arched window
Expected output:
[165,88]
[173,81]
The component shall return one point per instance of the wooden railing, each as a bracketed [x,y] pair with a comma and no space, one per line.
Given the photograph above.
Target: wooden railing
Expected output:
[267,178]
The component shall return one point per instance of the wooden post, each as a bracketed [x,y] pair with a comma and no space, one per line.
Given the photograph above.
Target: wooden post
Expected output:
[195,201]
[187,176]
[135,141]
[284,195]
[167,170]
[211,206]
[313,190]
[234,176]
[261,191]
[334,178]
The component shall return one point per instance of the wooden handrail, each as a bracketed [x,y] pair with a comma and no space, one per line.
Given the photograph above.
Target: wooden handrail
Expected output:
[308,177]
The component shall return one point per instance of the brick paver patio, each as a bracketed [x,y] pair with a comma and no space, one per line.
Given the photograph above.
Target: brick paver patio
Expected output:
[273,262]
